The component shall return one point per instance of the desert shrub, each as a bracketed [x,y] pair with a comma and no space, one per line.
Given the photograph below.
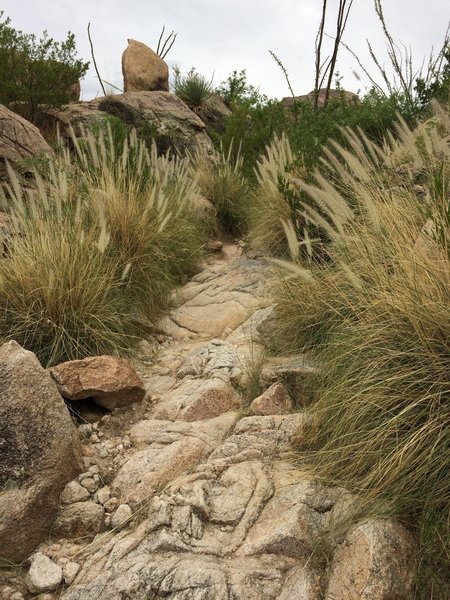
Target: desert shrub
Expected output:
[96,248]
[222,182]
[256,120]
[194,89]
[36,71]
[311,130]
[376,315]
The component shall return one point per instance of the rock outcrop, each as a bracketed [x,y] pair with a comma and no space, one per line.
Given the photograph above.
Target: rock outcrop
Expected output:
[39,451]
[143,70]
[19,139]
[214,113]
[161,116]
[335,95]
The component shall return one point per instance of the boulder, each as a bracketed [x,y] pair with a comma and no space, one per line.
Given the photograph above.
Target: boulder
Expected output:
[375,561]
[274,401]
[295,372]
[79,520]
[39,451]
[110,381]
[214,113]
[75,91]
[19,139]
[143,70]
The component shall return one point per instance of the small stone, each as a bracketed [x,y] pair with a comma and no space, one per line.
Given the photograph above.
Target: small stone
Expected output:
[74,492]
[102,451]
[95,469]
[70,570]
[9,593]
[85,431]
[94,438]
[111,504]
[214,246]
[104,494]
[121,517]
[44,575]
[90,484]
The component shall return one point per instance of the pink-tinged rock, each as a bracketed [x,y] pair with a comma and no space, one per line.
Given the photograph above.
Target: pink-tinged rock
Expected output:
[112,382]
[274,401]
[197,400]
[376,561]
[39,452]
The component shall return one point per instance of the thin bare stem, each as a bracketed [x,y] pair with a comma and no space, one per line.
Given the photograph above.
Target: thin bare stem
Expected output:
[283,68]
[93,59]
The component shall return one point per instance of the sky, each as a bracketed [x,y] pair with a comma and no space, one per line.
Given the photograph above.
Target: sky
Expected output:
[218,37]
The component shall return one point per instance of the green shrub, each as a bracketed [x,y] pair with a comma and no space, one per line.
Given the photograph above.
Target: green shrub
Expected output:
[96,248]
[376,316]
[36,71]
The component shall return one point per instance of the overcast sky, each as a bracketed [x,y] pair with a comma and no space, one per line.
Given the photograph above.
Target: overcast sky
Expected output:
[220,36]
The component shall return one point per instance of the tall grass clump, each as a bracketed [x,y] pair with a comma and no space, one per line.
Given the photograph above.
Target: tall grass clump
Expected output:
[275,197]
[223,183]
[376,314]
[96,247]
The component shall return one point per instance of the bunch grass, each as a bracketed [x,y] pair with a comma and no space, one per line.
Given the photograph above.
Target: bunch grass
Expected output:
[376,314]
[224,184]
[96,247]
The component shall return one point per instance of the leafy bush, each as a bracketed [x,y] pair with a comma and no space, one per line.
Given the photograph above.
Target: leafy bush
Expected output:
[36,71]
[96,248]
[194,89]
[254,121]
[376,315]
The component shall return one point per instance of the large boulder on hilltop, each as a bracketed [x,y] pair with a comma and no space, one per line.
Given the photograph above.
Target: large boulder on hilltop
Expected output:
[19,139]
[143,70]
[161,116]
[334,96]
[39,452]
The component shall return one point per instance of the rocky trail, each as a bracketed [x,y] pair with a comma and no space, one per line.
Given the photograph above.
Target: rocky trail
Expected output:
[193,493]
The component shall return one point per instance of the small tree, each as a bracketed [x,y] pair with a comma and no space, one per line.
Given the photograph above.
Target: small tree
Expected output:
[36,71]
